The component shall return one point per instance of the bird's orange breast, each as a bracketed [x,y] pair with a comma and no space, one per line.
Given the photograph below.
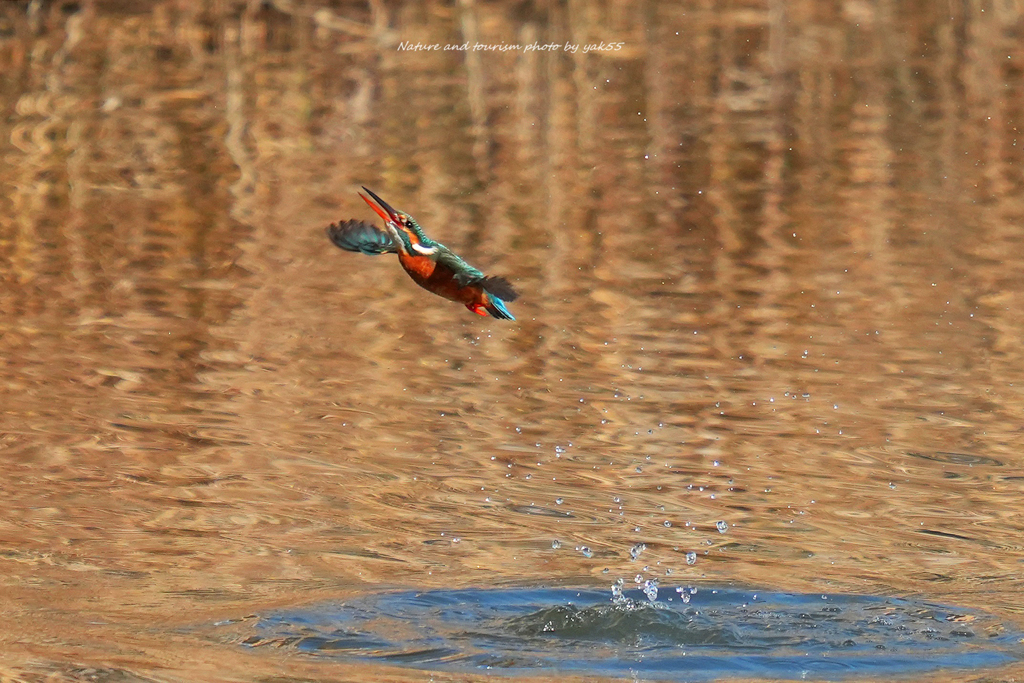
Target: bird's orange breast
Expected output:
[420,268]
[440,280]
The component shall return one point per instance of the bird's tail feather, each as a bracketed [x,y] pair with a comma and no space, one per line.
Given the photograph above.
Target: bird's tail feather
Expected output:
[496,307]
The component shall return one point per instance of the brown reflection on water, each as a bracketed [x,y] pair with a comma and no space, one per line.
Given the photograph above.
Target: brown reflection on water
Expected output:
[770,259]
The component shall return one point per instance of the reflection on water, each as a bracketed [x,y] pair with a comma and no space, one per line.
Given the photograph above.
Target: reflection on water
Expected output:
[769,258]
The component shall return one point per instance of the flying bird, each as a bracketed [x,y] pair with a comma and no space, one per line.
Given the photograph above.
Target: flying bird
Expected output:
[430,264]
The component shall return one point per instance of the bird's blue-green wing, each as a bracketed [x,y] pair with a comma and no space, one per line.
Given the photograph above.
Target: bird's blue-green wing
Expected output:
[466,274]
[362,237]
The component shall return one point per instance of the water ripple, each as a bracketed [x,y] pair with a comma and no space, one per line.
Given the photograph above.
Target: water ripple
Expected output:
[686,634]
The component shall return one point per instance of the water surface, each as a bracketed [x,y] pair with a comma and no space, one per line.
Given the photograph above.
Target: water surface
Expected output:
[769,258]
[686,634]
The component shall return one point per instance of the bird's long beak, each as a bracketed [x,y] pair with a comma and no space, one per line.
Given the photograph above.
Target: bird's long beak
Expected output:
[385,210]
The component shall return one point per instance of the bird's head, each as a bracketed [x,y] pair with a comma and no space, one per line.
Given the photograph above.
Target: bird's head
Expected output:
[406,232]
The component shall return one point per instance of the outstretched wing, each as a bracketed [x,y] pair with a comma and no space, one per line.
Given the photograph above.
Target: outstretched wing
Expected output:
[466,274]
[500,287]
[362,237]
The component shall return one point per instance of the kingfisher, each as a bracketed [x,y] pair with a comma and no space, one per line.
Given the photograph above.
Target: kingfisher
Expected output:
[430,264]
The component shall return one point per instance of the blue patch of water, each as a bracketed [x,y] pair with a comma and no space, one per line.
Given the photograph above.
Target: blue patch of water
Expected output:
[692,635]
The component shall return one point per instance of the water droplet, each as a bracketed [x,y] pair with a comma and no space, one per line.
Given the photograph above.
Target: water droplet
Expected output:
[668,523]
[585,551]
[556,544]
[559,501]
[651,589]
[635,551]
[721,526]
[691,557]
